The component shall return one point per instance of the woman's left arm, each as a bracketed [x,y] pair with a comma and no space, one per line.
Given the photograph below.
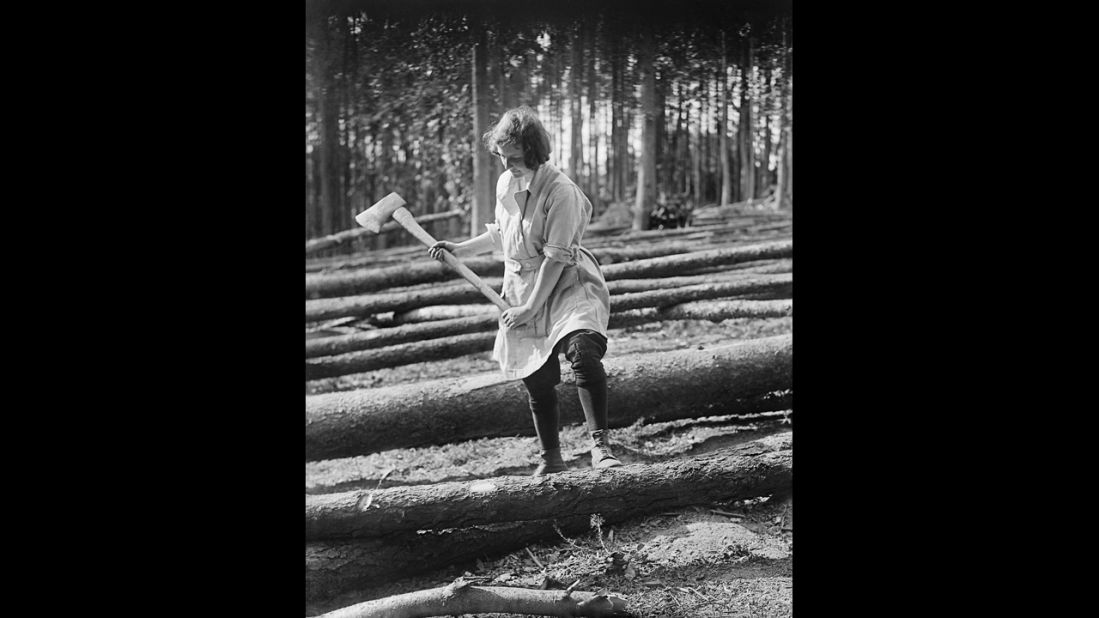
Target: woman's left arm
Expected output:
[544,282]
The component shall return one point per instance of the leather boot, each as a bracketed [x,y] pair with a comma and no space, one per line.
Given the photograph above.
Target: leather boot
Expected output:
[551,462]
[601,455]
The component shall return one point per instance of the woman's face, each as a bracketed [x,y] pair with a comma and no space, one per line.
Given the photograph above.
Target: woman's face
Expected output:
[512,158]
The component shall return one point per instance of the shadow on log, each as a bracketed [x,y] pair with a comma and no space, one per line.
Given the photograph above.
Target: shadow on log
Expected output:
[758,468]
[461,598]
[686,383]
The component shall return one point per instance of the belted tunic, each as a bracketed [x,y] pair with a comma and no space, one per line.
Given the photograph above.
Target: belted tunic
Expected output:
[545,222]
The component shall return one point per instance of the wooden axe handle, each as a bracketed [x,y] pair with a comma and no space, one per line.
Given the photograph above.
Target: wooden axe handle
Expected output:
[408,222]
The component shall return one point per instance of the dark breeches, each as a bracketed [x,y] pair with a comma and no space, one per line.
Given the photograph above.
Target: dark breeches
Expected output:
[584,349]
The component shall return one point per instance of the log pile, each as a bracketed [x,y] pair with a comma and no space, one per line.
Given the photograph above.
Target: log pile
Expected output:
[395,307]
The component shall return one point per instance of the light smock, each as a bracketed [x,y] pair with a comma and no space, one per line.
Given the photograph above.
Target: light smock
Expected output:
[545,221]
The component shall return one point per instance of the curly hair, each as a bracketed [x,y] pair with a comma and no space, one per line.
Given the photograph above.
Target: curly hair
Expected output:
[520,127]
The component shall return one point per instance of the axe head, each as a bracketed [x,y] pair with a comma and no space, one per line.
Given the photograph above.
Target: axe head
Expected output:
[376,216]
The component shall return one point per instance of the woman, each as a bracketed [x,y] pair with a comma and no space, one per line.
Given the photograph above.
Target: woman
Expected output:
[559,299]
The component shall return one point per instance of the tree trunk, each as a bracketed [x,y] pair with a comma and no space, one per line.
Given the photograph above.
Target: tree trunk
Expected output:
[463,598]
[576,84]
[630,286]
[370,304]
[713,311]
[754,284]
[375,339]
[744,128]
[723,133]
[329,131]
[441,312]
[481,210]
[423,270]
[335,567]
[401,354]
[645,196]
[692,383]
[593,176]
[759,467]
[656,267]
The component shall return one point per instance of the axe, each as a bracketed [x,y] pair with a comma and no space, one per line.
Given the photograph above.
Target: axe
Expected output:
[392,206]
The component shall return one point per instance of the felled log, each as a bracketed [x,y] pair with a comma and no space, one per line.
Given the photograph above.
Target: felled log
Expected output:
[327,242]
[400,354]
[628,286]
[752,284]
[459,345]
[676,264]
[660,386]
[424,270]
[362,259]
[368,304]
[443,312]
[764,466]
[488,319]
[463,598]
[336,566]
[713,311]
[328,346]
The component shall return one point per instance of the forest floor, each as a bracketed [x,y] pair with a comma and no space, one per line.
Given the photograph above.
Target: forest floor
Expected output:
[724,559]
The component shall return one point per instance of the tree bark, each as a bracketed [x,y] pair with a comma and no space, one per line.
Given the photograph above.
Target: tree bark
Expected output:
[655,267]
[370,304]
[463,598]
[442,312]
[759,467]
[713,311]
[400,354]
[744,128]
[692,383]
[646,166]
[576,145]
[630,286]
[329,131]
[756,284]
[422,270]
[481,210]
[723,133]
[335,567]
[374,339]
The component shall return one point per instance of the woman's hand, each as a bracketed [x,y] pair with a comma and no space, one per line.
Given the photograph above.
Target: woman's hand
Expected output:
[436,250]
[517,316]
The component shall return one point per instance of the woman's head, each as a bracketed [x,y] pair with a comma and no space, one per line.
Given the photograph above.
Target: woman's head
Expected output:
[519,133]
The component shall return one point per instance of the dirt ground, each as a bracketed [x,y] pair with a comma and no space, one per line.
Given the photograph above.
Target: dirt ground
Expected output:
[722,559]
